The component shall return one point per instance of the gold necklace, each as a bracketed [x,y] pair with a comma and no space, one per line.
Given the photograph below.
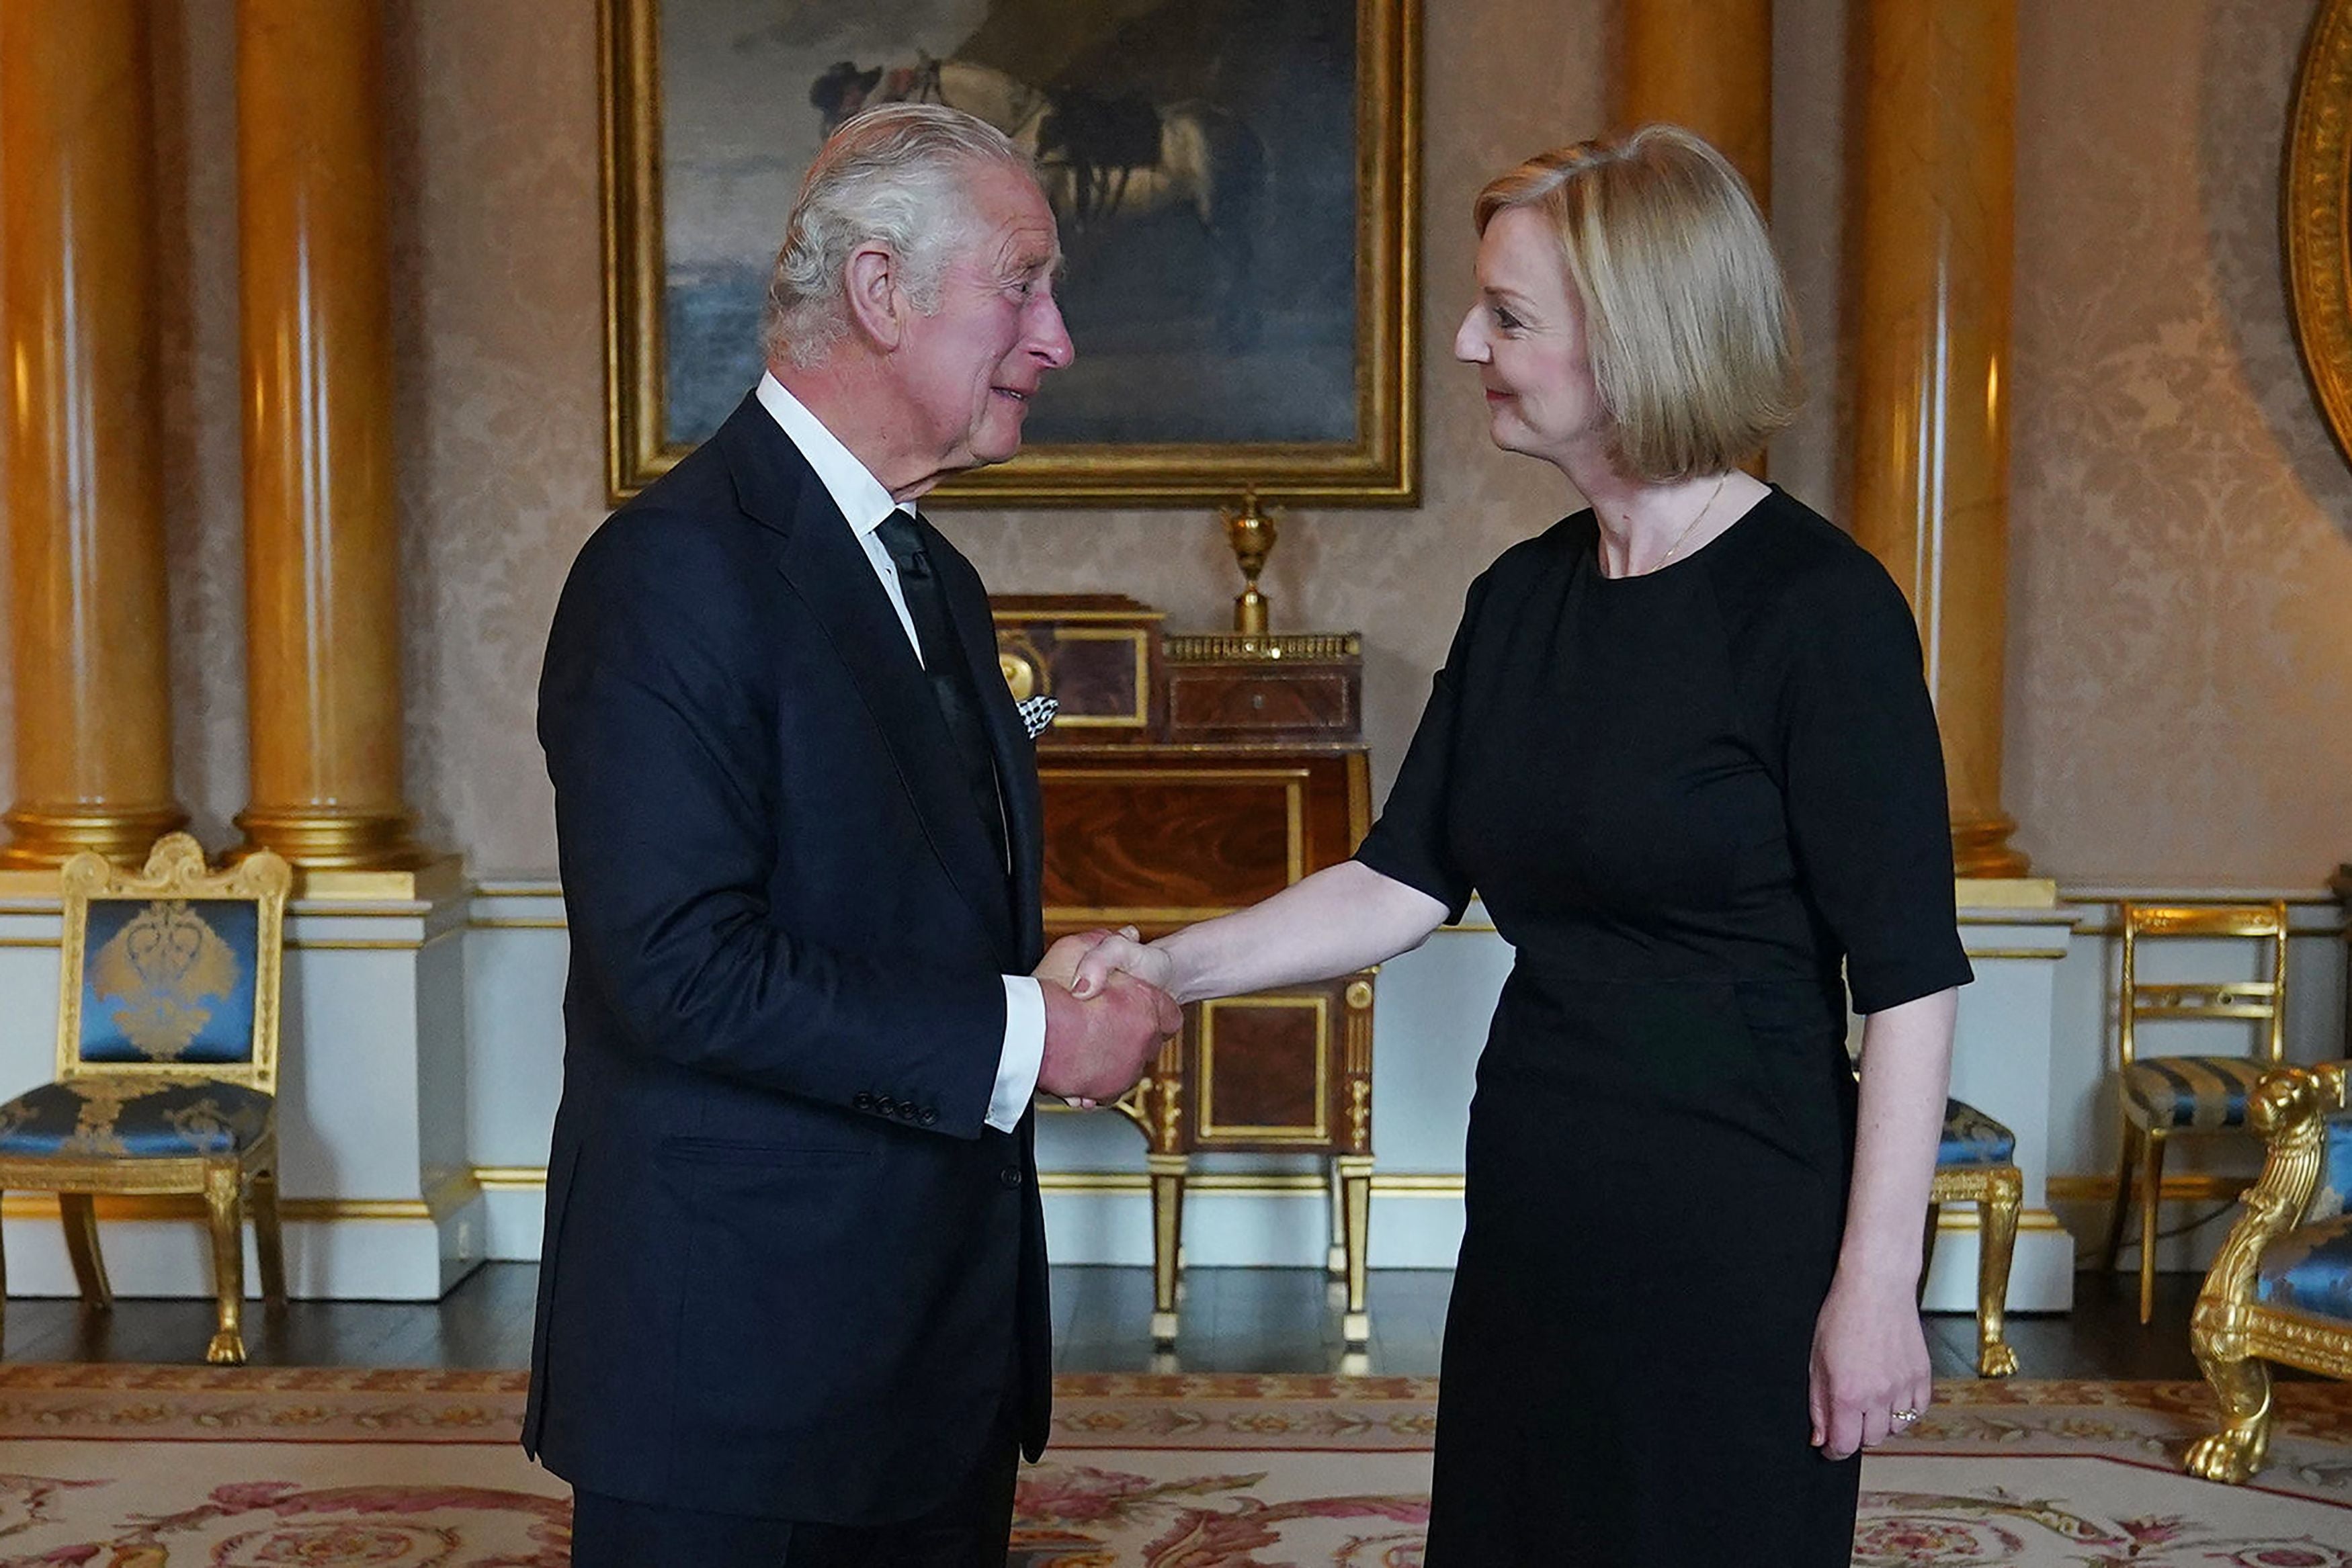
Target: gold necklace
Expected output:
[1705,506]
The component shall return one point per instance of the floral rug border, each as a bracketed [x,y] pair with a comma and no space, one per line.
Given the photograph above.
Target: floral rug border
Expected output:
[1093,1410]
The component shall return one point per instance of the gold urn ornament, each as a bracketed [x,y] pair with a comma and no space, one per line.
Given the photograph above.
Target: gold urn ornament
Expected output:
[1251,532]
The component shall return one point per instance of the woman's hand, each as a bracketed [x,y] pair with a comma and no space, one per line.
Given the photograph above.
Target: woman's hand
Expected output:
[1870,1375]
[1062,959]
[1118,952]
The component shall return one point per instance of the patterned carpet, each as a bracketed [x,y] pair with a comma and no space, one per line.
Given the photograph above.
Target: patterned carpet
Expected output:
[111,1467]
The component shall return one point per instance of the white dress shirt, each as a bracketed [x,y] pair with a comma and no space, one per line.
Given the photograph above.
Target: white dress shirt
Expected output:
[863,501]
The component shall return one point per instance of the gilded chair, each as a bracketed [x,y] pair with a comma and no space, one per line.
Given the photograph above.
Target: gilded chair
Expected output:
[2281,1289]
[166,1065]
[2165,1095]
[1976,1163]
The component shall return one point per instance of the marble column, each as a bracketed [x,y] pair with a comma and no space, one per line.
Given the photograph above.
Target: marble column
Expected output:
[1705,65]
[87,613]
[322,551]
[1933,253]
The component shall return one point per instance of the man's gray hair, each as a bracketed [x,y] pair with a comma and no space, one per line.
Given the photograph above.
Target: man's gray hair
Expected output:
[893,176]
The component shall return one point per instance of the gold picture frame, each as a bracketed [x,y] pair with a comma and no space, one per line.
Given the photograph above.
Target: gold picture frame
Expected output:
[2315,207]
[1377,464]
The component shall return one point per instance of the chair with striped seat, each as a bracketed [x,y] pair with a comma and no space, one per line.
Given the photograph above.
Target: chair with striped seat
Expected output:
[2165,1095]
[1976,1163]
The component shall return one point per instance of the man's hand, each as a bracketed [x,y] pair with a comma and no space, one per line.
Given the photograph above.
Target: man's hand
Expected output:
[1097,1049]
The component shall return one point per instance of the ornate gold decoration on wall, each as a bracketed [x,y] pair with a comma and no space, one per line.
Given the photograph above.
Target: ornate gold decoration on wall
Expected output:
[1377,463]
[2313,213]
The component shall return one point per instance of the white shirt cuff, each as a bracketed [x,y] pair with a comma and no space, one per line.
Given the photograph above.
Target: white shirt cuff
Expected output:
[1024,1052]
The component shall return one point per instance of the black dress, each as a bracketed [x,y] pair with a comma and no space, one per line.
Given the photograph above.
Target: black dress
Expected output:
[1690,800]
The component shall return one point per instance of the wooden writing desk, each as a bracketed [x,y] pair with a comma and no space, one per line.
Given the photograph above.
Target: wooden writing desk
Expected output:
[1186,777]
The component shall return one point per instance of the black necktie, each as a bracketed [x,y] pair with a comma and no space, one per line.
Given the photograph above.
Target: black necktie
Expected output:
[949,670]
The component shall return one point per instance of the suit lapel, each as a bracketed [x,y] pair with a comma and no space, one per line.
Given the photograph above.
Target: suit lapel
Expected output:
[1008,739]
[820,558]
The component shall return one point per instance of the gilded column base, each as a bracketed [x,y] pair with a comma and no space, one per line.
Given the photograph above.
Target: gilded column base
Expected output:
[1980,847]
[323,839]
[45,836]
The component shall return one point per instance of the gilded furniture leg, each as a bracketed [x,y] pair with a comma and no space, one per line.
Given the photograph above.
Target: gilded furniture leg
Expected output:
[222,1204]
[1996,1245]
[2289,1109]
[2151,1184]
[80,1218]
[1167,1235]
[2124,1165]
[268,1239]
[2242,1385]
[1336,1262]
[1356,1189]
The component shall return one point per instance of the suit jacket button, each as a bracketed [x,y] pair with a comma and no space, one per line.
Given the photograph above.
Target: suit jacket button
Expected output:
[1010,1176]
[905,1111]
[862,1100]
[928,1116]
[887,1105]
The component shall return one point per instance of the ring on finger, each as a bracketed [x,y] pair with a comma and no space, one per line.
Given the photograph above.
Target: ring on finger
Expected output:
[1903,1417]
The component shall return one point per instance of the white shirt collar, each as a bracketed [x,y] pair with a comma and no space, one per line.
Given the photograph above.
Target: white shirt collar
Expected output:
[851,485]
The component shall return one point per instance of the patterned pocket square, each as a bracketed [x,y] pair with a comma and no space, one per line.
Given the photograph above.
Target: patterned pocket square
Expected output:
[1036,713]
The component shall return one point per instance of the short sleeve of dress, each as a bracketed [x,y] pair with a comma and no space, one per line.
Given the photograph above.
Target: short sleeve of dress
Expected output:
[1863,767]
[1411,843]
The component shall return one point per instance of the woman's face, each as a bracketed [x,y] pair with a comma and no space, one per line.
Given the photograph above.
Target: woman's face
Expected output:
[1525,335]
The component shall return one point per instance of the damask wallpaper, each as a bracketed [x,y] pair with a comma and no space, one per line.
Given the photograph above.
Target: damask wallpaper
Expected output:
[2180,637]
[2180,608]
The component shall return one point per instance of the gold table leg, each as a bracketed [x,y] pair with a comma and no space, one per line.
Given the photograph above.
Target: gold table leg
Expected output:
[1167,1236]
[1356,1199]
[1335,1264]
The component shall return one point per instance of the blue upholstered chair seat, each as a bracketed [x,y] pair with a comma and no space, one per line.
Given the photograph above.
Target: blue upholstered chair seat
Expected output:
[1973,1138]
[2309,1270]
[2199,1091]
[111,1118]
[2328,1199]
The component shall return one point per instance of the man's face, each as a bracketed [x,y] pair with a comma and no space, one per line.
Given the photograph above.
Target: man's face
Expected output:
[970,371]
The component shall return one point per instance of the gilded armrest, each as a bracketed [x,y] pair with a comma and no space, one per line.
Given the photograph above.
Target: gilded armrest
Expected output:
[2290,1109]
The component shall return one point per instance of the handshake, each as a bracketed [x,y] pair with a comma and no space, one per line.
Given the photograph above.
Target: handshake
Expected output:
[1105,1014]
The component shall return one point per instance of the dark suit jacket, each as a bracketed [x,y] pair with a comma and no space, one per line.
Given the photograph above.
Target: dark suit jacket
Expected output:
[788,1271]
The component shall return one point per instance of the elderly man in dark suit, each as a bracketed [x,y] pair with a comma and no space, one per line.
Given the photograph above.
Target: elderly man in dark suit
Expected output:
[793,1297]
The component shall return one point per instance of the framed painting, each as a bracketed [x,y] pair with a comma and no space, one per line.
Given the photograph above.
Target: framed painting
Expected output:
[2315,208]
[1234,182]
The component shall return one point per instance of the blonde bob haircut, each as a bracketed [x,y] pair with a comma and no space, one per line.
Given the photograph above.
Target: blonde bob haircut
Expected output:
[1687,319]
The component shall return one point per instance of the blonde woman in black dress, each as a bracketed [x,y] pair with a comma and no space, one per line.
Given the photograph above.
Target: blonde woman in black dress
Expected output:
[1683,748]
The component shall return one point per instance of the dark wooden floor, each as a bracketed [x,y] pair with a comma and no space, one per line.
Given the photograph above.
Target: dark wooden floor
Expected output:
[1234,1320]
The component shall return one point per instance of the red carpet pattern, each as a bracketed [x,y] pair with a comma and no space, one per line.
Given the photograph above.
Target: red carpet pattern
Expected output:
[115,1467]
